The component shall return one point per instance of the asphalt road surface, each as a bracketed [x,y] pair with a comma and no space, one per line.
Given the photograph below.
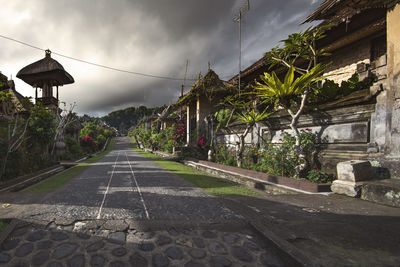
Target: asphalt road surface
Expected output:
[126,185]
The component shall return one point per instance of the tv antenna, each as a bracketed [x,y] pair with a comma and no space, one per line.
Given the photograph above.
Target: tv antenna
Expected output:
[184,79]
[238,18]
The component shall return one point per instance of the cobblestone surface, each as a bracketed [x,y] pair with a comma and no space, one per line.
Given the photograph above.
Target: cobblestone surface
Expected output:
[103,217]
[33,245]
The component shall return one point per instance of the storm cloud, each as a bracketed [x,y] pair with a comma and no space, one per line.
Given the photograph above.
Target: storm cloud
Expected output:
[147,36]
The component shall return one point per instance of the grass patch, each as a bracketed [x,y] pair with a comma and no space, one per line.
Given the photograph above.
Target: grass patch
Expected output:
[3,225]
[147,154]
[99,156]
[209,183]
[58,180]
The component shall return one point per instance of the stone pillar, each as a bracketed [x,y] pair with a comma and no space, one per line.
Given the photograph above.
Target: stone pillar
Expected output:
[203,108]
[187,124]
[198,115]
[393,77]
[191,109]
[349,174]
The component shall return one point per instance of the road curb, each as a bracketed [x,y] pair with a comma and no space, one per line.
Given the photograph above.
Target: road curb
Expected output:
[33,179]
[282,246]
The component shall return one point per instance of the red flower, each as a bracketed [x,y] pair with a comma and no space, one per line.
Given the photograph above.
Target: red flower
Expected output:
[317,170]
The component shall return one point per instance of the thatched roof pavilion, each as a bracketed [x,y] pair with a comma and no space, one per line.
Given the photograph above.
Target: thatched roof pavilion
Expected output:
[43,71]
[210,86]
[45,74]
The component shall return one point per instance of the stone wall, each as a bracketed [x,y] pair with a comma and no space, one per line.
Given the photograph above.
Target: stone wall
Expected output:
[343,130]
[392,106]
[345,60]
[367,126]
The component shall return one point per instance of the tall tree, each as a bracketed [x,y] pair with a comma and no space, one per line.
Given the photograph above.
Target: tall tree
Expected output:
[16,129]
[300,55]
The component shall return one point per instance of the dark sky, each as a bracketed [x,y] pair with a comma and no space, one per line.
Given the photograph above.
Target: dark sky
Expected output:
[148,36]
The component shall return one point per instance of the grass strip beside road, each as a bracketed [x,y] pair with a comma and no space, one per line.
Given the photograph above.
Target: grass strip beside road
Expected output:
[3,225]
[57,180]
[99,156]
[211,184]
[60,179]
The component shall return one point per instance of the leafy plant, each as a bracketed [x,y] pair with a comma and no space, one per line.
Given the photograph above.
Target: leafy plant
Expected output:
[244,110]
[73,148]
[292,93]
[318,176]
[42,127]
[331,90]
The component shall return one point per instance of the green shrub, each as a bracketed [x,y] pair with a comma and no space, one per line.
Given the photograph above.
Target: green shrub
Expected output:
[331,91]
[100,141]
[73,149]
[318,176]
[275,158]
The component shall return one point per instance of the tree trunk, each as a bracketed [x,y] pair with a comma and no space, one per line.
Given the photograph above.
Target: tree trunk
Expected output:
[293,125]
[3,169]
[240,146]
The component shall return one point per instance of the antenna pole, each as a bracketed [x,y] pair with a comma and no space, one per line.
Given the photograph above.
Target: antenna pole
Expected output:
[240,47]
[184,83]
[243,9]
[184,79]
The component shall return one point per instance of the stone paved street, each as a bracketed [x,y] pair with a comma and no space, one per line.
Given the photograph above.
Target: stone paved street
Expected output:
[125,185]
[126,210]
[31,245]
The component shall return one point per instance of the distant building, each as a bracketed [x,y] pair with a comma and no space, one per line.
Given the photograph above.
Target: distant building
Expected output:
[201,101]
[18,104]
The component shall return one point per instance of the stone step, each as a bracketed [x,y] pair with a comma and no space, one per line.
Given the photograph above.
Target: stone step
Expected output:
[385,192]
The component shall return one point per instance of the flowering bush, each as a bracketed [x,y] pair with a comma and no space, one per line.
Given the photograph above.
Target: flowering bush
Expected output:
[280,159]
[308,139]
[201,141]
[86,139]
[88,144]
[180,134]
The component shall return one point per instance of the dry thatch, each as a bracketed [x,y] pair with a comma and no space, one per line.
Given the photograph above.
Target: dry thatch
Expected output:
[336,11]
[210,85]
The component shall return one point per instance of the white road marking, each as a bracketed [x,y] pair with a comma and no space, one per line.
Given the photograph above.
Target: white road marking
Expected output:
[108,187]
[138,188]
[120,172]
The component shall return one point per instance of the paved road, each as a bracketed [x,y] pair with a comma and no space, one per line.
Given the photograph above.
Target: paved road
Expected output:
[126,210]
[125,185]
